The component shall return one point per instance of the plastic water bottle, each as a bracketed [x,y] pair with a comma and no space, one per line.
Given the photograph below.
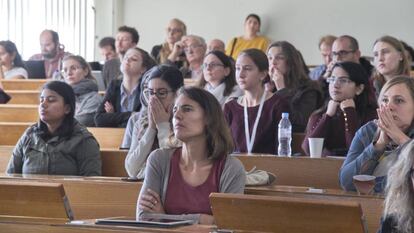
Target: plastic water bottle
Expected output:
[285,136]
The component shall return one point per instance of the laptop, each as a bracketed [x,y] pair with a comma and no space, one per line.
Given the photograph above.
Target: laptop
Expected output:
[239,212]
[164,222]
[35,69]
[95,65]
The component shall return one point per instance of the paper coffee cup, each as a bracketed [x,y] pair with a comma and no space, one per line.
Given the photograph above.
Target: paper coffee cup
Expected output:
[315,147]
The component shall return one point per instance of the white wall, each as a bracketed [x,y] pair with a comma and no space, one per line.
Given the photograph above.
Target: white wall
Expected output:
[301,22]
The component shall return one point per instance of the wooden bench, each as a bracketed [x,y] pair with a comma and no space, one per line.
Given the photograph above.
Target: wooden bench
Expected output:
[372,205]
[285,214]
[33,202]
[23,84]
[18,113]
[297,171]
[24,97]
[107,137]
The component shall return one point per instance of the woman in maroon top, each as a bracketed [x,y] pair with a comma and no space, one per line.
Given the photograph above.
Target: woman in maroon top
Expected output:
[253,117]
[351,106]
[179,181]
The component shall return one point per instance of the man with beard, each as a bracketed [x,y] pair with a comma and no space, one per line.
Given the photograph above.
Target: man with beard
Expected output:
[52,52]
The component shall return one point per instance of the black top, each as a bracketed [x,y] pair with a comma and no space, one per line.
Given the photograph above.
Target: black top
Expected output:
[388,225]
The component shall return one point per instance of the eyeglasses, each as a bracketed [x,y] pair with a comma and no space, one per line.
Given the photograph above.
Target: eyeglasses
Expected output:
[340,80]
[211,66]
[192,47]
[71,68]
[161,93]
[341,53]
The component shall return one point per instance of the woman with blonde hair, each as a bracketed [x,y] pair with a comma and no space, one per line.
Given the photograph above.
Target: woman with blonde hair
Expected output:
[175,30]
[390,59]
[398,216]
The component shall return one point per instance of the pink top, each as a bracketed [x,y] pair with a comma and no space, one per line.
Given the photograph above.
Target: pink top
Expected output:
[182,198]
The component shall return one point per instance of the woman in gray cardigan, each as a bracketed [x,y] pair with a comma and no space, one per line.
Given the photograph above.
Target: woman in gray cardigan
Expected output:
[179,181]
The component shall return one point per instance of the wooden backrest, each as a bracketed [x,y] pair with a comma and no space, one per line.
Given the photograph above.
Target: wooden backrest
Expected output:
[12,131]
[108,137]
[372,205]
[285,214]
[24,97]
[297,171]
[18,113]
[297,139]
[5,154]
[34,201]
[23,84]
[113,162]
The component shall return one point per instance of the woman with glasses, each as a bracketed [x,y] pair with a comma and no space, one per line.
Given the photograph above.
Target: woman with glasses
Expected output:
[218,77]
[374,148]
[77,73]
[390,59]
[57,144]
[398,215]
[348,108]
[250,39]
[122,97]
[253,118]
[178,181]
[292,82]
[11,63]
[175,30]
[153,130]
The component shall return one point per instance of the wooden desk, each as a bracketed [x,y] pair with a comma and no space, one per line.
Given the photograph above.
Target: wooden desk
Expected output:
[91,197]
[24,97]
[297,171]
[23,84]
[18,113]
[372,205]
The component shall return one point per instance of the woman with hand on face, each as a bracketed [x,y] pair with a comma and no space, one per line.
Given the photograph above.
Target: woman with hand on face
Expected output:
[349,108]
[179,181]
[162,84]
[77,73]
[292,82]
[58,144]
[218,77]
[390,59]
[175,30]
[253,118]
[250,39]
[373,149]
[122,97]
[11,63]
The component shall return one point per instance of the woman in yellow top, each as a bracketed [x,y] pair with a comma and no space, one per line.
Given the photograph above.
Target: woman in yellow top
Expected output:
[249,40]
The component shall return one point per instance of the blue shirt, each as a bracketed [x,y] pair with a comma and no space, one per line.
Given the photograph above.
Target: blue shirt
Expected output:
[127,101]
[317,72]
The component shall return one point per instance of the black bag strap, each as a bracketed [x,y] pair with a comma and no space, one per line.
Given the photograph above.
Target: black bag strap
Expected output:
[232,46]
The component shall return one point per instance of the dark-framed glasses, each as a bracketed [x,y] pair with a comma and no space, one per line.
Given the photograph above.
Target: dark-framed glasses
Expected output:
[161,93]
[342,80]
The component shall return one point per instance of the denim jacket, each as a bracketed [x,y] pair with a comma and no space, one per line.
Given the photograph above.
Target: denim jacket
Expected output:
[362,158]
[77,155]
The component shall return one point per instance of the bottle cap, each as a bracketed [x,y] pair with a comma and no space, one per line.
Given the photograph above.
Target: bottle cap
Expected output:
[285,114]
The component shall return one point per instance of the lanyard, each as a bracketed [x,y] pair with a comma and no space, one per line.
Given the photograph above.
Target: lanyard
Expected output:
[250,140]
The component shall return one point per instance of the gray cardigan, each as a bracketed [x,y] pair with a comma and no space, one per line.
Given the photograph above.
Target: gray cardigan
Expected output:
[157,173]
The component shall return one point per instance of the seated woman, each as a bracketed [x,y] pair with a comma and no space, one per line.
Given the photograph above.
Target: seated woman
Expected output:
[153,130]
[218,77]
[179,181]
[390,60]
[11,63]
[77,73]
[122,97]
[253,118]
[175,30]
[398,216]
[292,82]
[58,144]
[250,39]
[372,151]
[348,109]
[194,47]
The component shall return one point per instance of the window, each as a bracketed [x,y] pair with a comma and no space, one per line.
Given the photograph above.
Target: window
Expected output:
[21,21]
